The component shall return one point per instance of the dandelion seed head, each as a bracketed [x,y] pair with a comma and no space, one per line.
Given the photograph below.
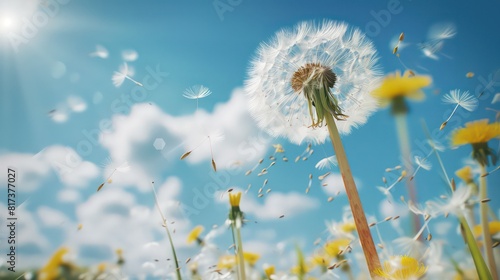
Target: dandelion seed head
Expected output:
[342,56]
[197,92]
[462,99]
[423,162]
[327,162]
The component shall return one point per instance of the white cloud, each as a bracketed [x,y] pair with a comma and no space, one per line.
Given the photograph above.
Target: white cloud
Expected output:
[32,169]
[50,217]
[112,218]
[335,184]
[72,170]
[133,136]
[69,196]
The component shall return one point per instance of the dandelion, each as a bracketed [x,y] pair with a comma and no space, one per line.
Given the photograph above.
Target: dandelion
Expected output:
[194,235]
[394,91]
[123,73]
[465,174]
[236,218]
[251,258]
[436,37]
[333,248]
[100,52]
[129,55]
[464,100]
[269,271]
[494,228]
[311,76]
[421,162]
[52,269]
[197,92]
[402,268]
[327,162]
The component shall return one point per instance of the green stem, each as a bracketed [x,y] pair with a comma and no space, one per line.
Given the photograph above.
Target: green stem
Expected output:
[481,268]
[483,208]
[404,147]
[358,213]
[164,221]
[241,261]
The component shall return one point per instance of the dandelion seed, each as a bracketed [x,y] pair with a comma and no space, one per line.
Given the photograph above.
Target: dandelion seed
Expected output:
[372,224]
[285,159]
[282,216]
[100,186]
[248,188]
[123,73]
[496,98]
[421,163]
[260,195]
[268,191]
[486,200]
[330,199]
[186,154]
[80,226]
[469,75]
[401,36]
[438,33]
[395,218]
[380,246]
[197,92]
[129,55]
[495,244]
[188,260]
[490,172]
[323,176]
[387,219]
[327,162]
[464,100]
[429,237]
[100,52]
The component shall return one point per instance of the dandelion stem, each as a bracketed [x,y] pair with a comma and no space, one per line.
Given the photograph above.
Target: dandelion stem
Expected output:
[488,251]
[481,268]
[241,262]
[164,224]
[358,213]
[404,146]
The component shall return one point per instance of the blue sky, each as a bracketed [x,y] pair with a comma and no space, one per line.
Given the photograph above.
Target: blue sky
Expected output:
[195,44]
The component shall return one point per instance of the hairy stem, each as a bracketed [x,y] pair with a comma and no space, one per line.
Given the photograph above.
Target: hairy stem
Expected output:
[483,208]
[358,213]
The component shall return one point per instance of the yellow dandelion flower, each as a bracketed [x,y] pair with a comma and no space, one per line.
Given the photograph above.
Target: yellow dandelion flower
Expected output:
[334,247]
[494,227]
[51,269]
[401,268]
[465,174]
[234,199]
[302,269]
[395,86]
[251,258]
[476,132]
[320,259]
[101,267]
[469,274]
[226,262]
[195,234]
[269,270]
[348,227]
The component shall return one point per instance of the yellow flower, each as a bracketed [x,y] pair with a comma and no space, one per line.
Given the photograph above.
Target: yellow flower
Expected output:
[401,268]
[234,199]
[465,174]
[470,274]
[395,85]
[478,133]
[334,247]
[302,269]
[269,271]
[51,270]
[475,132]
[194,234]
[493,225]
[226,262]
[251,258]
[101,267]
[278,148]
[320,259]
[348,227]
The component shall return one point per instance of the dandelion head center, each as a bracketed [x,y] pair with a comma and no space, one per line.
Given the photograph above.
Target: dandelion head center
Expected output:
[313,74]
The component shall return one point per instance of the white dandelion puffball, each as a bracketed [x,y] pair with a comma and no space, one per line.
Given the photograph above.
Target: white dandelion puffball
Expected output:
[283,110]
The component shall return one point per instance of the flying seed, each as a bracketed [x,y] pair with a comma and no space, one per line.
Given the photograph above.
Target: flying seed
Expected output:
[372,224]
[443,197]
[388,218]
[395,218]
[330,199]
[426,217]
[401,36]
[380,246]
[188,259]
[395,50]
[260,195]
[229,190]
[213,165]
[323,176]
[324,184]
[469,75]
[186,154]
[282,216]
[486,200]
[443,125]
[100,187]
[285,159]
[495,244]
[268,191]
[297,158]
[248,172]
[317,241]
[429,237]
